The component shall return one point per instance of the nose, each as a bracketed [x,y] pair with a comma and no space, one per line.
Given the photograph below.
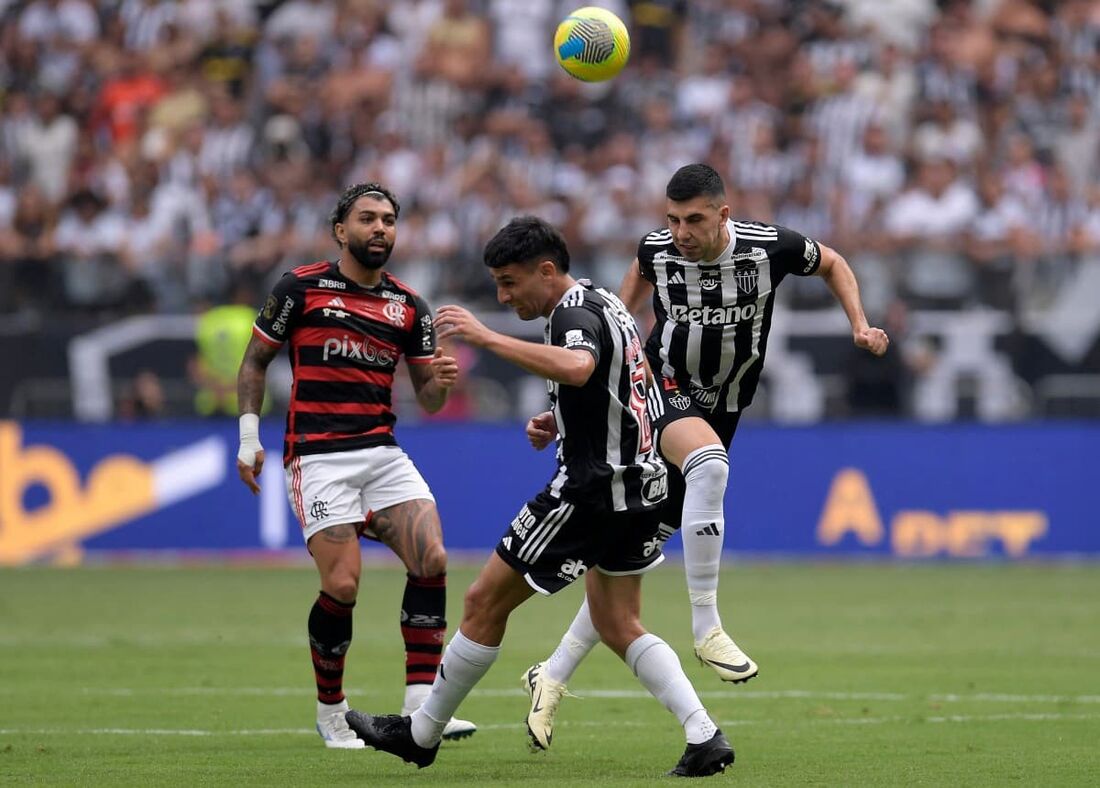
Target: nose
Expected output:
[503,296]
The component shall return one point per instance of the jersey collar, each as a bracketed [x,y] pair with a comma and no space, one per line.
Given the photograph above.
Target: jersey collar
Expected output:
[582,284]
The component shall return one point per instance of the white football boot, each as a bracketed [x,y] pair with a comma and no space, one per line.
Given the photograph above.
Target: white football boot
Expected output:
[334,729]
[546,694]
[718,652]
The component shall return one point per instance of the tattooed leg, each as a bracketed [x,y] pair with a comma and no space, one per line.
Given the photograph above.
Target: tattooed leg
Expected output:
[412,530]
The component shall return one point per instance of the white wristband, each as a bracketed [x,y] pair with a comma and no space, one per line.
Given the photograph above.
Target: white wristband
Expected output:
[250,439]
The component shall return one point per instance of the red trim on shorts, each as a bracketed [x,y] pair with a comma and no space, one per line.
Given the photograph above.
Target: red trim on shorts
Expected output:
[296,488]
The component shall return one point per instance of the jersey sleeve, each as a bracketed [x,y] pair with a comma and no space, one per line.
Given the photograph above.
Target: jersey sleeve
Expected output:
[645,261]
[795,254]
[576,328]
[280,311]
[420,341]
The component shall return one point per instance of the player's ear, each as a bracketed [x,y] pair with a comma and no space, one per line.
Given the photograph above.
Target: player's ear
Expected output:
[341,234]
[724,212]
[547,269]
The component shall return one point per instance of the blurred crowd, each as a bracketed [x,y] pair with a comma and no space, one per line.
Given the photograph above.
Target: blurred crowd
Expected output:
[160,155]
[155,153]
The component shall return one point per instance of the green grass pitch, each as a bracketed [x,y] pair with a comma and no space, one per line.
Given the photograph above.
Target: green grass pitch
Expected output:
[871,674]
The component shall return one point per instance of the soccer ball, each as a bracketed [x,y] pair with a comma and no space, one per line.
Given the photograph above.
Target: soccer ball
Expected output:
[592,44]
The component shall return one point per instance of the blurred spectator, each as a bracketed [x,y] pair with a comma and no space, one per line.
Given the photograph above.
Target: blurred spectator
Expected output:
[47,143]
[927,224]
[89,242]
[993,241]
[144,398]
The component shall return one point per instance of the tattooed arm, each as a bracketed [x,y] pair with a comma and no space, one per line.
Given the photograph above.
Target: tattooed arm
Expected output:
[252,376]
[251,382]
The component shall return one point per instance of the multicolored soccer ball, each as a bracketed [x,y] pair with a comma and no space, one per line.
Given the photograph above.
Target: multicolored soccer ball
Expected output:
[592,44]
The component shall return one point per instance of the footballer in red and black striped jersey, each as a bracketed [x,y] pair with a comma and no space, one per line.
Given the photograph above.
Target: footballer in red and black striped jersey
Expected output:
[344,343]
[346,324]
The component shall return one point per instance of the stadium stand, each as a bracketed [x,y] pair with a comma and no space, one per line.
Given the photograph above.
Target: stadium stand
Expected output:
[157,156]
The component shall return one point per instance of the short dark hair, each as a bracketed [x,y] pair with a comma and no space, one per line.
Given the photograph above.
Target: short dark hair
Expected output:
[527,239]
[694,180]
[353,193]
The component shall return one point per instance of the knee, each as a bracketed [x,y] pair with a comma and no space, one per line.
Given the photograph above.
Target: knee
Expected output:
[618,633]
[707,468]
[342,585]
[432,563]
[477,601]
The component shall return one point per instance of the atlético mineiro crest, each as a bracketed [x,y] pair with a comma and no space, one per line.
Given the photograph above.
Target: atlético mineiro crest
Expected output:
[680,402]
[746,278]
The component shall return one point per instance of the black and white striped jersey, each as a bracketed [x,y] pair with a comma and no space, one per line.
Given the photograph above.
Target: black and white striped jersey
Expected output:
[606,454]
[713,317]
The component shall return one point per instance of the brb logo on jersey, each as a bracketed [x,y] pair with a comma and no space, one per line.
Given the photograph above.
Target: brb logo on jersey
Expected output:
[712,315]
[356,351]
[394,311]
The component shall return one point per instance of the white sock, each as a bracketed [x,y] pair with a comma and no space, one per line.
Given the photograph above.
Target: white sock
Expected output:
[464,663]
[657,667]
[415,695]
[580,638]
[706,471]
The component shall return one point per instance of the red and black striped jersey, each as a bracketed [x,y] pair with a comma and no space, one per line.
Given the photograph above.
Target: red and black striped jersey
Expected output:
[345,341]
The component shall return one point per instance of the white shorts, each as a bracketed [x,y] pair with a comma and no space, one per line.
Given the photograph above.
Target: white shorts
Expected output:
[341,487]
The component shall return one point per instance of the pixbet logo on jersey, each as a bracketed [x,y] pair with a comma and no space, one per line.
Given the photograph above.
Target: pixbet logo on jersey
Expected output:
[355,350]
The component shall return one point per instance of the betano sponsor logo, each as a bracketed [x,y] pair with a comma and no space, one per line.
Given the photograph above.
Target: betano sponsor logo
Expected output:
[712,315]
[117,490]
[850,510]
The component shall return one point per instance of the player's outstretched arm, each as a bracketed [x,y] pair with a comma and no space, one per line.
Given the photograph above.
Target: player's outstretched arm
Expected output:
[570,367]
[251,383]
[842,282]
[635,290]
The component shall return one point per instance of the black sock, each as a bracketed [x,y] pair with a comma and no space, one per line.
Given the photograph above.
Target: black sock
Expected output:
[423,626]
[329,639]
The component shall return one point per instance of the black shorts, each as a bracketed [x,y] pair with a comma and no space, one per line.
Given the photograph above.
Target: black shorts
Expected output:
[673,403]
[552,542]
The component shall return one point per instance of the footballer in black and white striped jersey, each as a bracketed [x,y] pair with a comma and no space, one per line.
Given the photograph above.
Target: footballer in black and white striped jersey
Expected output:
[713,316]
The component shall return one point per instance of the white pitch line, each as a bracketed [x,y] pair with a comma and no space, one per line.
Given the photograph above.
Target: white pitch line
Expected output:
[999,698]
[194,732]
[736,694]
